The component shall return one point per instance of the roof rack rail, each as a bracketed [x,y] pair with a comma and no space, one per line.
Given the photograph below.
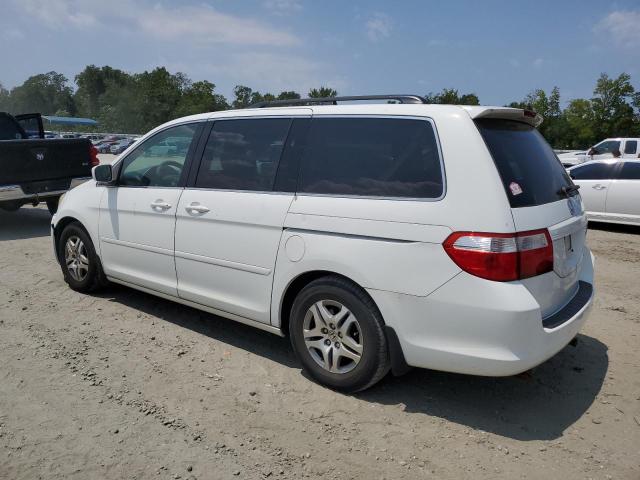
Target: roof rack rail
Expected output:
[335,100]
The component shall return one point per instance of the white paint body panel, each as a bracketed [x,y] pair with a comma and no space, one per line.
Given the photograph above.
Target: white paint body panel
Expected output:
[623,201]
[612,200]
[136,240]
[594,195]
[225,257]
[238,258]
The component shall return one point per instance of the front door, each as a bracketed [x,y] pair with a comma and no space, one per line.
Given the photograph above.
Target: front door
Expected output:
[229,222]
[137,218]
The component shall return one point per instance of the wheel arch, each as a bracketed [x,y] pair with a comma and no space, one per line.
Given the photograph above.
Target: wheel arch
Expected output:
[59,228]
[295,286]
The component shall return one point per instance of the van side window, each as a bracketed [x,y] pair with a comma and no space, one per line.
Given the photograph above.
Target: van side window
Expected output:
[630,147]
[630,171]
[243,154]
[381,157]
[159,160]
[593,171]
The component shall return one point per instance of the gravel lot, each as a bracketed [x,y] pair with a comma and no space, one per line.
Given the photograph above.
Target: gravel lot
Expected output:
[125,385]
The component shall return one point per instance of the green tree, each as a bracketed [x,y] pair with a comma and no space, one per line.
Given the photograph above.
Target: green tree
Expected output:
[46,93]
[158,95]
[322,92]
[92,85]
[612,105]
[450,96]
[4,99]
[242,96]
[200,97]
[288,95]
[580,125]
[548,106]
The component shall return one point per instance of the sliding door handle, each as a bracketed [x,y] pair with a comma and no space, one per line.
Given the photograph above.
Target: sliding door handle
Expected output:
[196,208]
[160,205]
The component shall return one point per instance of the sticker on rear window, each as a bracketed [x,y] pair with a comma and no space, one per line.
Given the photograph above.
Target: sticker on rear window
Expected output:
[515,188]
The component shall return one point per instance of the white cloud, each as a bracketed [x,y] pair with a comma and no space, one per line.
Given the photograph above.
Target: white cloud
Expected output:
[201,24]
[283,7]
[58,14]
[206,25]
[378,27]
[623,27]
[12,34]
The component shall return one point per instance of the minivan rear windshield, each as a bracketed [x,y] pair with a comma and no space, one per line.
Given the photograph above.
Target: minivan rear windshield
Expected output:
[530,171]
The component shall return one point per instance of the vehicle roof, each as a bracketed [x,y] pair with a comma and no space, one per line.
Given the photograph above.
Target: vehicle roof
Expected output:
[606,160]
[426,110]
[618,138]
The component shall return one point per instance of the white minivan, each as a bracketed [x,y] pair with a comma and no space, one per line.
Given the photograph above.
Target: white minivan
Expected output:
[377,236]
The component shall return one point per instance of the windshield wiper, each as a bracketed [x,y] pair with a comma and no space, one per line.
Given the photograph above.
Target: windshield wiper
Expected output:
[569,190]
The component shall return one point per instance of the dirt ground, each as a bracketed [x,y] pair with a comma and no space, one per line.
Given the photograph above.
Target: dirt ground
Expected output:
[125,385]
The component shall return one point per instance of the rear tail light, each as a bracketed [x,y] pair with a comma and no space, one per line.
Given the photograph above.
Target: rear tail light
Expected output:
[502,257]
[93,156]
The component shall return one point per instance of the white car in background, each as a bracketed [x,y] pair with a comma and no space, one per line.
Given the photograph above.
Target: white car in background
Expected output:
[610,190]
[376,236]
[628,148]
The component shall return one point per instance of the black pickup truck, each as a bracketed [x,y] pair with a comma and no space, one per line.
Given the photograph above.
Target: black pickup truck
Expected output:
[34,169]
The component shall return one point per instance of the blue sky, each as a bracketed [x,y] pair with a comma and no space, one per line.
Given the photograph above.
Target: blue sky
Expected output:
[501,50]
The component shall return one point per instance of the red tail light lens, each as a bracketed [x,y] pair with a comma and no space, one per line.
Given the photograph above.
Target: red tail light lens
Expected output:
[502,257]
[93,156]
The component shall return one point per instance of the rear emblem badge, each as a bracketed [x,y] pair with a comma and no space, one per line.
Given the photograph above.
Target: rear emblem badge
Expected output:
[40,156]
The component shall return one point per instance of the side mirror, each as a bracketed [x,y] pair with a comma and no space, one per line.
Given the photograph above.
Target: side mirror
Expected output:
[102,174]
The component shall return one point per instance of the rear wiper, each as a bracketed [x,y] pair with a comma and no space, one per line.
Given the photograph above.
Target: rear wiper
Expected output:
[569,190]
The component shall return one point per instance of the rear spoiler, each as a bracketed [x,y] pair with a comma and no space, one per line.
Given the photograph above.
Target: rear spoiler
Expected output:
[506,113]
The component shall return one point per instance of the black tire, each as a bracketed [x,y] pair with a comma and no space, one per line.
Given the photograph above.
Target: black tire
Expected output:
[52,205]
[95,277]
[374,362]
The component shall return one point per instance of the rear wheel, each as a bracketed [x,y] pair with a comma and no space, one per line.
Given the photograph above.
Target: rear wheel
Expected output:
[337,333]
[81,266]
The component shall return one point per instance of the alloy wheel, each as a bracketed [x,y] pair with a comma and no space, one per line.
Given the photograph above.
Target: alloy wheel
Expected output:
[332,336]
[76,258]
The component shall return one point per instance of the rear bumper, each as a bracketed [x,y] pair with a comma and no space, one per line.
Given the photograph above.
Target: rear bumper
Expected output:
[479,327]
[16,193]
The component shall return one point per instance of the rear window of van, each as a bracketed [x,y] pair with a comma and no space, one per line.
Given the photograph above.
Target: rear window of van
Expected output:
[530,171]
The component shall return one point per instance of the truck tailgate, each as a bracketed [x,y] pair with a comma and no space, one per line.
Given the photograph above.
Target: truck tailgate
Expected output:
[26,161]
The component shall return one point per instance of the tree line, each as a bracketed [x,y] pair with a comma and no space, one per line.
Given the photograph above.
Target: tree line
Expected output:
[135,103]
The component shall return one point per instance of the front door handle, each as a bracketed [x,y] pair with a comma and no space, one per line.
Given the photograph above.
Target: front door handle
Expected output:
[160,205]
[195,207]
[597,186]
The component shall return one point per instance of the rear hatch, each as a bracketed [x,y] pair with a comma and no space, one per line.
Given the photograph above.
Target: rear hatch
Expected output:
[542,196]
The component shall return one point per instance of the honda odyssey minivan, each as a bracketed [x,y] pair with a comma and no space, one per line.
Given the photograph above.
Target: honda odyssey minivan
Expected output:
[377,236]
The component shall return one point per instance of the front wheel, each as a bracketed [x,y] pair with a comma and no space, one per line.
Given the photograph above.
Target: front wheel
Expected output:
[337,334]
[80,264]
